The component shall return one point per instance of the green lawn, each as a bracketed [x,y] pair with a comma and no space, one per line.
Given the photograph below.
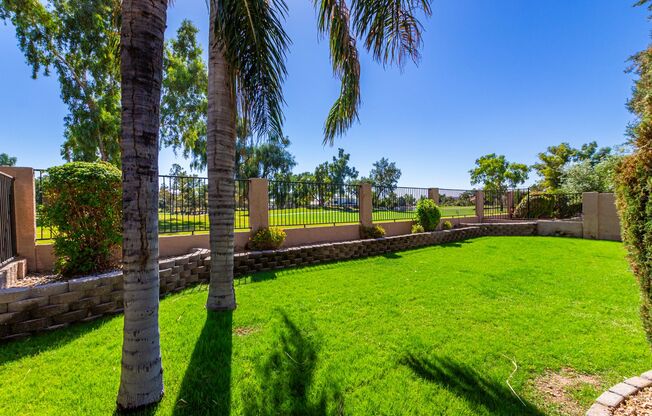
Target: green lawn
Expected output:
[428,331]
[185,224]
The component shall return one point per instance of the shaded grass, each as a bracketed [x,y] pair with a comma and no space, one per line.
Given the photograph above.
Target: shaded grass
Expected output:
[428,331]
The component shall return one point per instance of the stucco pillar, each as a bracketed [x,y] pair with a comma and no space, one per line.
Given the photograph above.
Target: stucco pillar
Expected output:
[479,205]
[24,212]
[366,205]
[433,193]
[510,203]
[258,203]
[590,215]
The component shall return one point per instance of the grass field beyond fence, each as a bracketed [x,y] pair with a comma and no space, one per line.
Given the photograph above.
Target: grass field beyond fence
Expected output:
[179,224]
[429,331]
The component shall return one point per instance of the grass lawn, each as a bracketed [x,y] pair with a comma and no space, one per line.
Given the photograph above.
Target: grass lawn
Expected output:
[185,224]
[428,331]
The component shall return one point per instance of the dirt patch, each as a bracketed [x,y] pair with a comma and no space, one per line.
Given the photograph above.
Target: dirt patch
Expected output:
[639,404]
[243,331]
[36,279]
[557,387]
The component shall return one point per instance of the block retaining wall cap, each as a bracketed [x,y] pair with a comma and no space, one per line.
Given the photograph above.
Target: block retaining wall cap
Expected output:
[616,394]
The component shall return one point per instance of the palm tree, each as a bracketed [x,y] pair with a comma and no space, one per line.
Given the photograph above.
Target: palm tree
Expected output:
[246,72]
[143,26]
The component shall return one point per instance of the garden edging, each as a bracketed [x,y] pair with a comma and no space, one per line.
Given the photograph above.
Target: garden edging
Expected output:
[28,310]
[615,395]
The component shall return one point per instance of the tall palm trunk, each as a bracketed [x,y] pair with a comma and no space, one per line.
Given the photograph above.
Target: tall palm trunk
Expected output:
[143,27]
[220,152]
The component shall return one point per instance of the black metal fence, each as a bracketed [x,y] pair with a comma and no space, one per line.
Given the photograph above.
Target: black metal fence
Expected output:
[42,232]
[7,223]
[395,203]
[540,205]
[182,204]
[455,203]
[312,203]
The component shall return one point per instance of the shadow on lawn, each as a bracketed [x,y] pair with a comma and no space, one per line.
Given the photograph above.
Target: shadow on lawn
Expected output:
[39,343]
[480,392]
[206,385]
[286,378]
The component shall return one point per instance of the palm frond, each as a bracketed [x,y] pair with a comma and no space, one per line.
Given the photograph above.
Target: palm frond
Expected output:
[390,28]
[254,43]
[333,19]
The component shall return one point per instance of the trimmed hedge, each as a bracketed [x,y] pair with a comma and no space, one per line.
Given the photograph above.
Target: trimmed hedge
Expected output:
[427,215]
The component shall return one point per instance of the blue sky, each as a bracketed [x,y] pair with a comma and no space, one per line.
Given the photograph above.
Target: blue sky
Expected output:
[507,76]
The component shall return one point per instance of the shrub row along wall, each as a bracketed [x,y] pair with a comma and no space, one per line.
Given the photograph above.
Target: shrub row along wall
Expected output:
[24,311]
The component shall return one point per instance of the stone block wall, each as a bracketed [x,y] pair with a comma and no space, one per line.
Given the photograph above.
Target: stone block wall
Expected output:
[24,311]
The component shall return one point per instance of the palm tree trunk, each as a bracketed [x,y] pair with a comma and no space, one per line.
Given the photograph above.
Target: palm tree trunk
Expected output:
[143,27]
[220,152]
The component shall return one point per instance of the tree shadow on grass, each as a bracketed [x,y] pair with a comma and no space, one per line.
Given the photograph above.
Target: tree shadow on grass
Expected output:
[481,392]
[43,342]
[286,378]
[206,385]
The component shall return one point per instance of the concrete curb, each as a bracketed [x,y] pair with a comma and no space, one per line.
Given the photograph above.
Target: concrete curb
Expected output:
[615,395]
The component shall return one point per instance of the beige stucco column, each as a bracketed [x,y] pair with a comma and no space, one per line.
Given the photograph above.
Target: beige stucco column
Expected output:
[433,193]
[366,205]
[590,214]
[24,212]
[258,203]
[479,205]
[510,202]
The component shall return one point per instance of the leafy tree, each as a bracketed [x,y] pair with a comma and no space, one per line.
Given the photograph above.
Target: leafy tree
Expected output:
[496,174]
[6,160]
[587,177]
[184,102]
[634,184]
[337,171]
[268,159]
[385,174]
[80,40]
[555,159]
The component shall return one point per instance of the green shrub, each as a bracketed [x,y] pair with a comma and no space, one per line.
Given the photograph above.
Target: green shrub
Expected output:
[267,239]
[427,215]
[447,225]
[84,208]
[375,231]
[548,205]
[417,228]
[633,190]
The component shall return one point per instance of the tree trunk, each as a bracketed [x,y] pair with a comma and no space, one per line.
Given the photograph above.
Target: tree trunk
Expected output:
[220,151]
[143,27]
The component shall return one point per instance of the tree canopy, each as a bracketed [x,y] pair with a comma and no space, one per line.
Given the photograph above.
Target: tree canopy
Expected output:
[495,173]
[6,160]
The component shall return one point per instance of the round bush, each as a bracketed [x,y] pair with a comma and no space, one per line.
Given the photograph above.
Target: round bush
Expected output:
[267,239]
[375,231]
[416,229]
[540,205]
[447,225]
[83,205]
[427,215]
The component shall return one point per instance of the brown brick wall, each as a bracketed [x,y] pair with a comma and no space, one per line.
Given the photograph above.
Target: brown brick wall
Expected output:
[24,311]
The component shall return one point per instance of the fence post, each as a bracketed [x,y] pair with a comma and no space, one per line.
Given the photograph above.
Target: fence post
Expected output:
[258,203]
[366,205]
[510,203]
[479,205]
[590,215]
[24,212]
[433,193]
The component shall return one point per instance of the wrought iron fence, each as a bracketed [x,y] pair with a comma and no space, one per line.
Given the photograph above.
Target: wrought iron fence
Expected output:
[7,223]
[43,232]
[455,203]
[312,203]
[182,204]
[395,203]
[535,205]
